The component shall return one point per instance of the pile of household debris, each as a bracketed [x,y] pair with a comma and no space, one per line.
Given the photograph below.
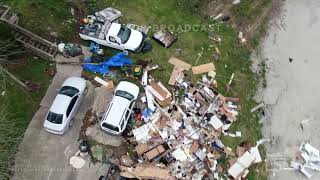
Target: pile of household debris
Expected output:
[310,161]
[177,135]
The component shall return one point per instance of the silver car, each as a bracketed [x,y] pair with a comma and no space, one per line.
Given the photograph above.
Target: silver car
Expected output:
[65,106]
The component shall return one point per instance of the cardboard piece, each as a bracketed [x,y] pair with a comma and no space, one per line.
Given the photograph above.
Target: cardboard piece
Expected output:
[194,147]
[244,162]
[126,160]
[145,172]
[179,63]
[154,152]
[142,148]
[160,92]
[204,68]
[108,85]
[215,122]
[175,75]
[240,151]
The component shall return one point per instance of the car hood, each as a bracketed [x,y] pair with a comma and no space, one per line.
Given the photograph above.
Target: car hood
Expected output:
[134,40]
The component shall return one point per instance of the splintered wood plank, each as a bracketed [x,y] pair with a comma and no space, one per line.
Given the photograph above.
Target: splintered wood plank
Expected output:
[179,63]
[203,68]
[176,72]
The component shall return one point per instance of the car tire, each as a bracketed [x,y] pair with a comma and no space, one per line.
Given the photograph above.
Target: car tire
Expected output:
[71,123]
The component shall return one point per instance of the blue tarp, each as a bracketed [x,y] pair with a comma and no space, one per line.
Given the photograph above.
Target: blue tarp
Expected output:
[118,60]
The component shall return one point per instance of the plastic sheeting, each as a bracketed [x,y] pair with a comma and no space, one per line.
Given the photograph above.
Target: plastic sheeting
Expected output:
[118,60]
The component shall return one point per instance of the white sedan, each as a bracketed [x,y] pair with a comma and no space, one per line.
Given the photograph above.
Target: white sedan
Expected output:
[117,115]
[65,106]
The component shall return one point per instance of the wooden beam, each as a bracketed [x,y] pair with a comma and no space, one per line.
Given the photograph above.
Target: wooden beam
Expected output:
[14,78]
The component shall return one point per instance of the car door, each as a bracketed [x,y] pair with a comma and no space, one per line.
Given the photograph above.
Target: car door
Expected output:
[126,118]
[131,105]
[72,108]
[113,43]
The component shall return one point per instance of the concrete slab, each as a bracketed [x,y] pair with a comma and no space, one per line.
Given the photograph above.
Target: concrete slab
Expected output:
[100,136]
[69,70]
[103,96]
[43,155]
[61,59]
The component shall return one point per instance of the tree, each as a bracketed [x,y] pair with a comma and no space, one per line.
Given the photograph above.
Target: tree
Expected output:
[9,48]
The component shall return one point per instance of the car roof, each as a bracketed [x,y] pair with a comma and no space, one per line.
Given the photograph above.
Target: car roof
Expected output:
[118,106]
[60,104]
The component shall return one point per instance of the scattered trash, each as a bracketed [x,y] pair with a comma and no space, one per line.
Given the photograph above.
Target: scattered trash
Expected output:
[76,161]
[229,83]
[241,38]
[305,121]
[165,38]
[145,172]
[95,48]
[290,59]
[179,67]
[236,1]
[133,71]
[199,55]
[69,49]
[261,105]
[218,16]
[108,85]
[311,157]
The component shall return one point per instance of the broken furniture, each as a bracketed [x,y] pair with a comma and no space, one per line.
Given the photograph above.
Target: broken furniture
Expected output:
[165,38]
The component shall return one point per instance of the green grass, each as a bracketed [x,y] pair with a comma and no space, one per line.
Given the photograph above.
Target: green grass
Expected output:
[250,9]
[37,15]
[44,16]
[17,108]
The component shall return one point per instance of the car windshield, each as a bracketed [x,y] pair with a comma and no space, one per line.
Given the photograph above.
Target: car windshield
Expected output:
[124,94]
[55,118]
[124,34]
[68,91]
[111,127]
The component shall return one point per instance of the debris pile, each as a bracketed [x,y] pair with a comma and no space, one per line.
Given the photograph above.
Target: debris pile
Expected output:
[310,162]
[165,38]
[178,134]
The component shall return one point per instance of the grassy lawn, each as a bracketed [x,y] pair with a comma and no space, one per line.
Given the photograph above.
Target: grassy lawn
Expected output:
[45,16]
[17,107]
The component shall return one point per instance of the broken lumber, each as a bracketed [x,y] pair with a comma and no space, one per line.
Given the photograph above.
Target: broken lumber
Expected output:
[179,63]
[203,68]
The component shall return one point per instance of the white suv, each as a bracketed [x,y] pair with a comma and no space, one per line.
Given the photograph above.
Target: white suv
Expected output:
[116,117]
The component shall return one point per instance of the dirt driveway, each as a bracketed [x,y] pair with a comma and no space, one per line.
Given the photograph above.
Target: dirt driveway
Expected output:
[44,156]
